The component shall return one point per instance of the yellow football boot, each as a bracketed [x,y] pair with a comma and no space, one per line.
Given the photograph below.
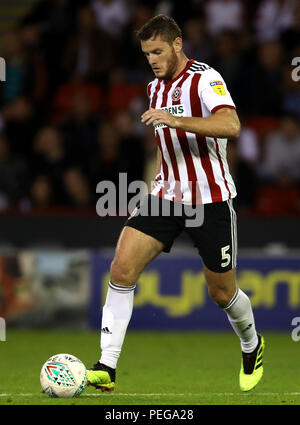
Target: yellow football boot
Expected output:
[252,366]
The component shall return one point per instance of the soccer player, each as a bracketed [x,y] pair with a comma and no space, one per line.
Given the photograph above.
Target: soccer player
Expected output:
[193,115]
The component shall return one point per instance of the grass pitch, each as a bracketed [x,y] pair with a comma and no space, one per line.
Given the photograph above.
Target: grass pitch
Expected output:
[167,368]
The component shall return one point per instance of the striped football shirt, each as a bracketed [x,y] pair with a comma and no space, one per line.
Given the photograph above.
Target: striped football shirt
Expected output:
[194,168]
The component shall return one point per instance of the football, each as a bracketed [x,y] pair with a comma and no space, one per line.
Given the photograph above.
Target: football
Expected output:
[63,375]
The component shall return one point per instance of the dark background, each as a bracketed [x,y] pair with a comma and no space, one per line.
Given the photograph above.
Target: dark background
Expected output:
[74,92]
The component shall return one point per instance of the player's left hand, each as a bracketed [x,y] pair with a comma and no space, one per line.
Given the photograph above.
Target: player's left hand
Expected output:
[159,116]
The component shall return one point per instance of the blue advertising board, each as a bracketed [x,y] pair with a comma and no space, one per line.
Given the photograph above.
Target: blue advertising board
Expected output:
[172,293]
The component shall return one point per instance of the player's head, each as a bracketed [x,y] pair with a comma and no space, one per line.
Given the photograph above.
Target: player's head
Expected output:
[161,42]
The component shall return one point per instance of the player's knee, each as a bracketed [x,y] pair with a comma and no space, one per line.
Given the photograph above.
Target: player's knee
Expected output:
[121,274]
[221,297]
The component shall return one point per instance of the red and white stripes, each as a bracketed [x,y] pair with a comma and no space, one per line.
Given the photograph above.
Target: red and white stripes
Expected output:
[194,168]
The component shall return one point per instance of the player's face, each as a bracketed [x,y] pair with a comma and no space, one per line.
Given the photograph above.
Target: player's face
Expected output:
[161,56]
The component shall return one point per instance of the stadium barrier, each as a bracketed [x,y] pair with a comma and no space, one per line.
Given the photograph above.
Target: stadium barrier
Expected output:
[66,288]
[172,293]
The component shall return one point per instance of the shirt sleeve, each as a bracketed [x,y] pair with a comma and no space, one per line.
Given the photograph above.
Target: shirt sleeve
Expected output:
[213,91]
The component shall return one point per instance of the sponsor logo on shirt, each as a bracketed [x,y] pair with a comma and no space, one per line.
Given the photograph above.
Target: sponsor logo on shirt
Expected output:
[218,87]
[177,110]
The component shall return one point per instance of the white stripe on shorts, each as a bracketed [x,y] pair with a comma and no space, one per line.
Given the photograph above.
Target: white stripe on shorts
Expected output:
[233,233]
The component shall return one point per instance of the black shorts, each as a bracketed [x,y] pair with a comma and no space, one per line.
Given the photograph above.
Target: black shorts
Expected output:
[212,228]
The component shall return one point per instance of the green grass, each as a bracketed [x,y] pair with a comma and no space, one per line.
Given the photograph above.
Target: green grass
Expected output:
[182,368]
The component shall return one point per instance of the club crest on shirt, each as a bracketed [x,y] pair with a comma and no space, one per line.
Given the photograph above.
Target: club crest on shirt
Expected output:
[218,87]
[176,94]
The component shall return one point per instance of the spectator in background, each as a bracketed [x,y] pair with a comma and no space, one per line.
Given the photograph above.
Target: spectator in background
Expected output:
[181,11]
[291,91]
[89,53]
[229,62]
[243,157]
[131,145]
[248,145]
[243,172]
[224,14]
[107,162]
[197,44]
[111,15]
[120,151]
[282,151]
[279,192]
[50,159]
[63,99]
[41,193]
[25,73]
[261,88]
[37,78]
[16,67]
[135,65]
[80,130]
[20,122]
[31,36]
[13,175]
[290,37]
[77,189]
[121,92]
[273,17]
[87,42]
[55,20]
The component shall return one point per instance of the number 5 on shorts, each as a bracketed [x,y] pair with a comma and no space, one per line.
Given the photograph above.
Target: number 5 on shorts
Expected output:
[226,258]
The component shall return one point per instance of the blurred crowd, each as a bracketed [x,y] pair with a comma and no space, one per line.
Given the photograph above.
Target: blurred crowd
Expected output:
[76,87]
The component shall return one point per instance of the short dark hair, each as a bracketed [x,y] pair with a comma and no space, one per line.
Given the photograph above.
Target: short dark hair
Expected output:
[160,25]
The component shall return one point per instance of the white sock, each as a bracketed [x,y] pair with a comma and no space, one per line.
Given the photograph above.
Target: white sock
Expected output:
[115,318]
[240,315]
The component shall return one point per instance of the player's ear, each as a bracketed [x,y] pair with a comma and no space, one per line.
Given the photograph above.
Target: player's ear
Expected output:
[177,44]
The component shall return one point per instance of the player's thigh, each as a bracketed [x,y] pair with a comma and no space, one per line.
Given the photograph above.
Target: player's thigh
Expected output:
[134,251]
[216,238]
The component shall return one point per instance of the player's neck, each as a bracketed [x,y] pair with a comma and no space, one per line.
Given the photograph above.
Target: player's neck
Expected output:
[182,63]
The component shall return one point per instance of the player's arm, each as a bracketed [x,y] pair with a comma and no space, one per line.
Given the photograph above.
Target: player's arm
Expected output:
[223,123]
